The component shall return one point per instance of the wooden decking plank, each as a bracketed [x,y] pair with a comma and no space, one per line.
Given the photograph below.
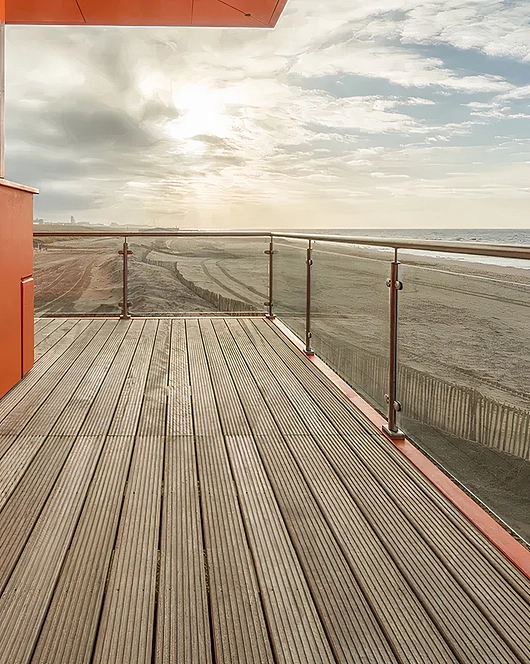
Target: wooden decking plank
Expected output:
[153,414]
[480,595]
[127,621]
[27,500]
[125,418]
[183,626]
[126,631]
[294,624]
[179,417]
[238,624]
[103,408]
[15,462]
[47,372]
[43,327]
[41,419]
[69,630]
[397,606]
[26,597]
[78,406]
[41,322]
[231,415]
[352,628]
[19,514]
[53,335]
[6,441]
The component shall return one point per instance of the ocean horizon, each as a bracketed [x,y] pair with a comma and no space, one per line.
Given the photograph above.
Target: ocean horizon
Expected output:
[483,235]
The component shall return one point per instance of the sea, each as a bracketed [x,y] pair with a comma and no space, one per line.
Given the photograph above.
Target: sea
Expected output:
[509,236]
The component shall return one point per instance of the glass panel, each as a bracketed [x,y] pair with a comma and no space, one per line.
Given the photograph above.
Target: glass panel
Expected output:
[349,315]
[198,275]
[289,288]
[464,356]
[77,275]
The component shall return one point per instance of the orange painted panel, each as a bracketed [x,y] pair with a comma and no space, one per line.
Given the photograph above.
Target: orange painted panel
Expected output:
[54,12]
[213,13]
[278,10]
[261,10]
[28,325]
[16,262]
[136,12]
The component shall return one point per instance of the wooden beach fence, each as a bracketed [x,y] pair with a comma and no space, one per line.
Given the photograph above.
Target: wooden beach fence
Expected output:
[454,409]
[220,302]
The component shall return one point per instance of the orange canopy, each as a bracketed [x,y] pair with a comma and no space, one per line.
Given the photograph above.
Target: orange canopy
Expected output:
[212,13]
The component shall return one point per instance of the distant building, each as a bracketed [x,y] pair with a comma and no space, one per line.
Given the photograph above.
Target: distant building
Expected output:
[72,220]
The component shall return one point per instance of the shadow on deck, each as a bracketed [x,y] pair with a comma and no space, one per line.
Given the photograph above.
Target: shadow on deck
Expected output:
[196,491]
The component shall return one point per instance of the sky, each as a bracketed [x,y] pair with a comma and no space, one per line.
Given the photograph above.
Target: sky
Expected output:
[349,114]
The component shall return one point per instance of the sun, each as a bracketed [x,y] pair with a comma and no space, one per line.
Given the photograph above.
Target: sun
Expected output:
[203,112]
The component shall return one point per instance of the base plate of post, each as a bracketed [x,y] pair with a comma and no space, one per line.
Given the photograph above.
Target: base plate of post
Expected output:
[395,435]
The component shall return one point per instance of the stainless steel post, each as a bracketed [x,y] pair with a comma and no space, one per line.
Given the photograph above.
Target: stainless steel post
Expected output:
[271,253]
[394,406]
[125,297]
[309,263]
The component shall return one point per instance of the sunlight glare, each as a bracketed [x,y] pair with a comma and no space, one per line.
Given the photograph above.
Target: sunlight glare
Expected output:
[203,112]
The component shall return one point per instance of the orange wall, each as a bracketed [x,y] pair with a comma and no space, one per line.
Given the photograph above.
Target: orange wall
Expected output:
[16,266]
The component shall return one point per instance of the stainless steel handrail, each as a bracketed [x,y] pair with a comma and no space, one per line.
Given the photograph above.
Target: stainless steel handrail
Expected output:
[471,248]
[151,234]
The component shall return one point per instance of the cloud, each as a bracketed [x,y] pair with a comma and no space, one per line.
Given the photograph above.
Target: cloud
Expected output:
[354,103]
[402,68]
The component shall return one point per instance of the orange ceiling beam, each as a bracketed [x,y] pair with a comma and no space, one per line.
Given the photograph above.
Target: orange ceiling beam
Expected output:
[199,13]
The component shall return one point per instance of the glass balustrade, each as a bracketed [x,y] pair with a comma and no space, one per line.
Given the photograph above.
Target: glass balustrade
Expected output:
[464,362]
[197,275]
[289,283]
[77,275]
[349,315]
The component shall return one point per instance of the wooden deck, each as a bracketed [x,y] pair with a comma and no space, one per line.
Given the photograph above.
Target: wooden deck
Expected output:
[195,491]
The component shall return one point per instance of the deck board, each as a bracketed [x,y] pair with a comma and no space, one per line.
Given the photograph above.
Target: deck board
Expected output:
[46,374]
[126,629]
[197,491]
[352,627]
[183,623]
[294,626]
[364,552]
[238,623]
[411,521]
[453,614]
